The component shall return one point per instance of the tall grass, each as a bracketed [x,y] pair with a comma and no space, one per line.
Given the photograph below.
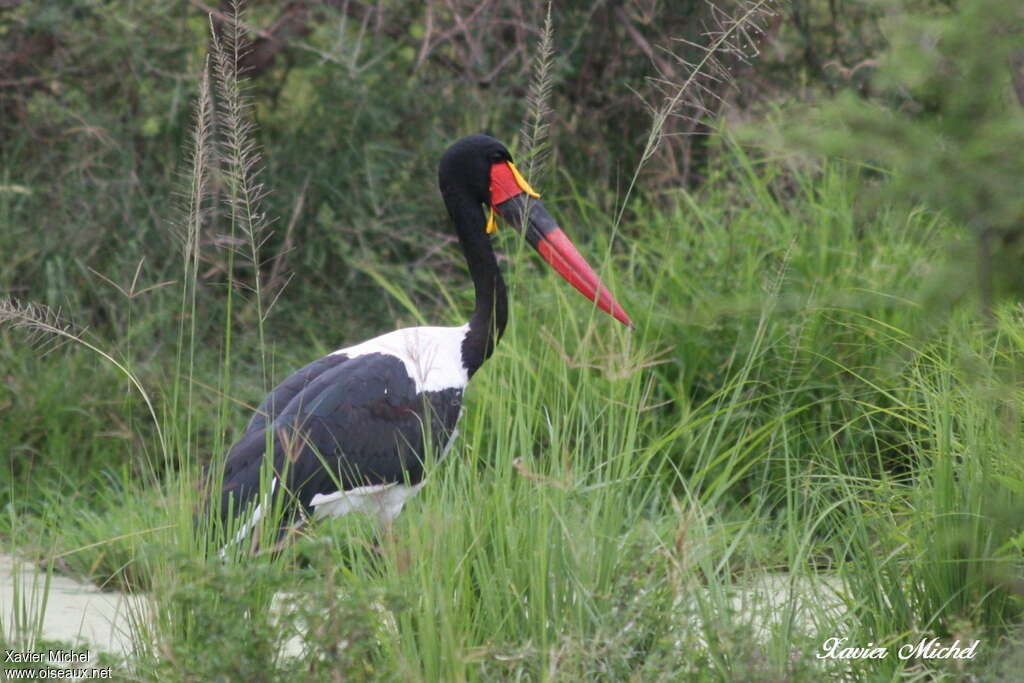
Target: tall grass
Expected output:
[785,409]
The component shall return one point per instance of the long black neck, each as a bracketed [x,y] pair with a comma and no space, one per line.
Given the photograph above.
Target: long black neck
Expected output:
[491,311]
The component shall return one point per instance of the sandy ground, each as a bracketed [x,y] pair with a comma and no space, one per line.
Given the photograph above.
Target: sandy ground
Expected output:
[73,612]
[83,615]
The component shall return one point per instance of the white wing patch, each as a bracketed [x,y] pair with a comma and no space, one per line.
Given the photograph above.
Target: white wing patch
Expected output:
[250,524]
[432,355]
[384,500]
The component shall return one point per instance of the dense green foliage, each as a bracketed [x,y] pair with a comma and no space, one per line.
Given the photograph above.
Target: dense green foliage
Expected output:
[793,410]
[948,121]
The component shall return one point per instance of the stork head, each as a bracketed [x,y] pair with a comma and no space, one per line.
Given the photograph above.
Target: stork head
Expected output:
[482,167]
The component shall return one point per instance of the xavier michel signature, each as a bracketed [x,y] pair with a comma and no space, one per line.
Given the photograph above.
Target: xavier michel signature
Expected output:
[835,648]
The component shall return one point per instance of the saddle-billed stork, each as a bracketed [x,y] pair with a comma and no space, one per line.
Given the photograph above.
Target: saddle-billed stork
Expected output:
[349,432]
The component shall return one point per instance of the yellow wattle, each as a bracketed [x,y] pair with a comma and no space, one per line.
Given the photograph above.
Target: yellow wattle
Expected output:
[492,223]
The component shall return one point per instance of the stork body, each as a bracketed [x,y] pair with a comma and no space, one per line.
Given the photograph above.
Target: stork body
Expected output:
[350,431]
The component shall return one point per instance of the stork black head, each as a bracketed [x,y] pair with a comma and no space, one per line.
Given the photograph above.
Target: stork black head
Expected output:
[466,166]
[480,169]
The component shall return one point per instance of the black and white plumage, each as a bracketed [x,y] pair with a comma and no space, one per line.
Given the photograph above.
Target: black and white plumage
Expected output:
[350,431]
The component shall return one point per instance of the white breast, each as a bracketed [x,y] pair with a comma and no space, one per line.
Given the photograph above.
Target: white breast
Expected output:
[432,355]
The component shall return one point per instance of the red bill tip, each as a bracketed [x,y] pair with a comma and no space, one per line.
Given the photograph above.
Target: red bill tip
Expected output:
[558,250]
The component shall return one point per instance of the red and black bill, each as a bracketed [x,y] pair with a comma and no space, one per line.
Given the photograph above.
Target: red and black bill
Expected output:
[517,204]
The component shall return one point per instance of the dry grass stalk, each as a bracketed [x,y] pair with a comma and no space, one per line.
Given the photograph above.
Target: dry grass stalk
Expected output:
[731,39]
[533,136]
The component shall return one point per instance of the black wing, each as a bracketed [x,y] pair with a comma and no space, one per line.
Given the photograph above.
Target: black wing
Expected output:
[357,424]
[279,398]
